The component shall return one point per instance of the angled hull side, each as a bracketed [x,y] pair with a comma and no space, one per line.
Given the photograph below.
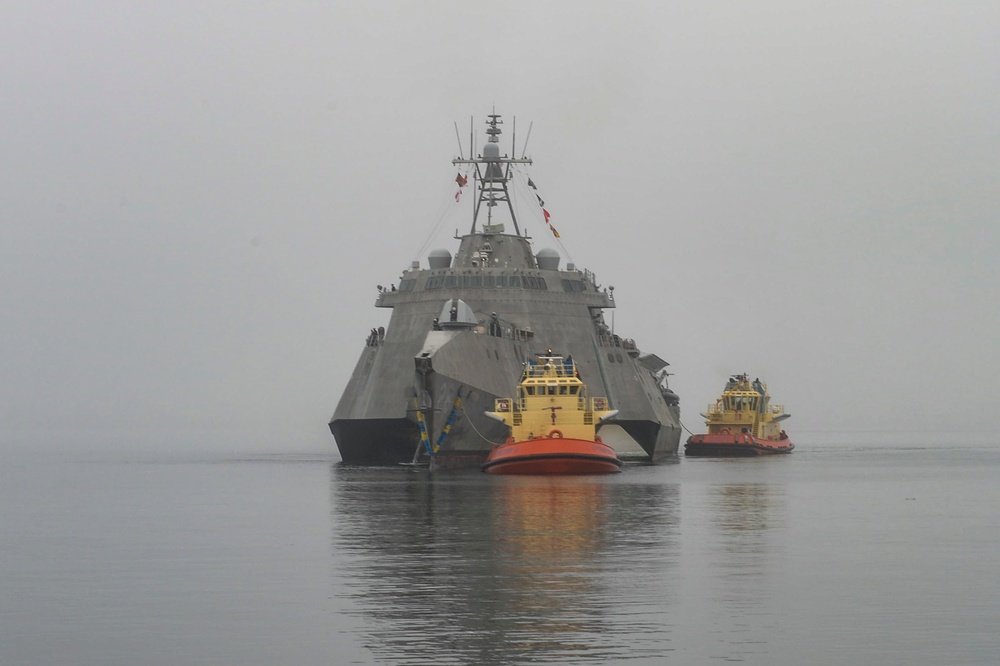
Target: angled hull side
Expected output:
[375,441]
[414,360]
[380,390]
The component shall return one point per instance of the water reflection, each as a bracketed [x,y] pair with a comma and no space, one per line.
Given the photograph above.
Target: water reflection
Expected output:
[469,568]
[745,515]
[744,558]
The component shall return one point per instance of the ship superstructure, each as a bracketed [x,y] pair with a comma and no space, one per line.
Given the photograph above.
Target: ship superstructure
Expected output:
[461,328]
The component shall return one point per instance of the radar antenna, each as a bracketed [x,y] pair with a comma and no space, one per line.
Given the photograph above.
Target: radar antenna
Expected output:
[492,173]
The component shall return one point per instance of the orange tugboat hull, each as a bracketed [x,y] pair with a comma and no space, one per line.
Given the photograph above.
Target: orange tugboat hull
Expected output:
[552,455]
[740,444]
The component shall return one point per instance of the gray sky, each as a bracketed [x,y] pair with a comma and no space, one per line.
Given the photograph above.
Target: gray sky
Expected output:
[198,200]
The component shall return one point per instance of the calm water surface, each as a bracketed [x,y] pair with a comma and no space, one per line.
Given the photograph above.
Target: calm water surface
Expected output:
[840,553]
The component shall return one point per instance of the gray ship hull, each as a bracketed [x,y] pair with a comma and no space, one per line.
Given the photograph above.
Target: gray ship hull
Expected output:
[422,365]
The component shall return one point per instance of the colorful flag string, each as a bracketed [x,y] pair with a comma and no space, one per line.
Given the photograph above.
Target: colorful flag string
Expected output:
[541,204]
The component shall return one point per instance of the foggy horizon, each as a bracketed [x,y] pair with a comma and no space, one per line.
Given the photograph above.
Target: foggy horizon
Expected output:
[201,202]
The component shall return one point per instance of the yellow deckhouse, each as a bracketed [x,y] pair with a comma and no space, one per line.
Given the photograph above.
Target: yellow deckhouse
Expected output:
[552,402]
[745,407]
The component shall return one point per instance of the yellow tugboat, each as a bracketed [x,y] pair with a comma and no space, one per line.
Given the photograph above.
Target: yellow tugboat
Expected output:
[742,422]
[553,425]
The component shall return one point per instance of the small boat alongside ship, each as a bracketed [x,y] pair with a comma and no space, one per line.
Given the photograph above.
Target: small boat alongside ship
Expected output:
[742,422]
[553,424]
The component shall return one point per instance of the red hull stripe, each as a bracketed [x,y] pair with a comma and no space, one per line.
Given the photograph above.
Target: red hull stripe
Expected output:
[554,464]
[553,456]
[737,444]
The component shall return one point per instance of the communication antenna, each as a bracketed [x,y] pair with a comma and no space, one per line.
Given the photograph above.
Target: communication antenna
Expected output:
[491,172]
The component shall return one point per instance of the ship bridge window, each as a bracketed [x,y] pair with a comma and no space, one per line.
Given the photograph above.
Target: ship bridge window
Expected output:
[451,281]
[531,282]
[563,390]
[573,286]
[514,281]
[573,390]
[552,389]
[407,285]
[741,403]
[489,281]
[530,390]
[435,282]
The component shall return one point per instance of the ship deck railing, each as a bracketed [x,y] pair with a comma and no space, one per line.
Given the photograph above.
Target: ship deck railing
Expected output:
[550,369]
[716,408]
[529,403]
[517,418]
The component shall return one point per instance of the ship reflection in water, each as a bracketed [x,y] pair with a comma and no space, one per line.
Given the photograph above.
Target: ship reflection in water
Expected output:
[736,565]
[473,568]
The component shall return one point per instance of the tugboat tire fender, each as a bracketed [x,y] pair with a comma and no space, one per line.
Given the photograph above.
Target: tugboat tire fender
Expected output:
[556,434]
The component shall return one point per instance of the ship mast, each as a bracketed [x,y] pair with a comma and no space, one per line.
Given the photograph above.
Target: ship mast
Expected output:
[491,175]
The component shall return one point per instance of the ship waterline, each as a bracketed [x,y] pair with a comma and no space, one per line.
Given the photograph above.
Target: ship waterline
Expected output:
[460,332]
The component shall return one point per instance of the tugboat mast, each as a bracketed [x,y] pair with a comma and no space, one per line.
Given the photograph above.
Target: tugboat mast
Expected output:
[491,174]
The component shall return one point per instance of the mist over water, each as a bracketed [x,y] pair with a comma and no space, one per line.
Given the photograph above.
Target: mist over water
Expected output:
[199,201]
[838,553]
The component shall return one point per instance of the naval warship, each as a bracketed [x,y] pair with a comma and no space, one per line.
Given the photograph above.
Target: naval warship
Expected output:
[463,327]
